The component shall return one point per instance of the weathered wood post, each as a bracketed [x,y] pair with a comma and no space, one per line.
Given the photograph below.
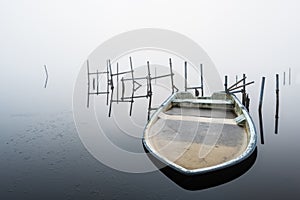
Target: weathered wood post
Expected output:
[244,90]
[225,84]
[185,76]
[111,87]
[277,104]
[117,82]
[88,78]
[46,80]
[149,92]
[97,82]
[133,81]
[171,72]
[260,110]
[201,80]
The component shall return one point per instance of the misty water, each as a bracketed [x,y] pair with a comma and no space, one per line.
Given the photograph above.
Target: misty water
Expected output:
[42,156]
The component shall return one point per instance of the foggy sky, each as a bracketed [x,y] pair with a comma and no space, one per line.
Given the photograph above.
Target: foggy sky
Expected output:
[239,36]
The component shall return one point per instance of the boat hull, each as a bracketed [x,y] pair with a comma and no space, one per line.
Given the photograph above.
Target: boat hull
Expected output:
[200,135]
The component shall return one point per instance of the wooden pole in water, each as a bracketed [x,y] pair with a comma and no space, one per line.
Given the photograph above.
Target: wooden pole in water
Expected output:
[88,73]
[46,80]
[149,91]
[111,88]
[97,82]
[277,104]
[225,84]
[262,140]
[283,78]
[185,76]
[171,72]
[261,92]
[260,110]
[244,89]
[117,82]
[201,80]
[132,94]
[107,83]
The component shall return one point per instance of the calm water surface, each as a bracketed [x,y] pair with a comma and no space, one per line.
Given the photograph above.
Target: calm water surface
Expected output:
[42,157]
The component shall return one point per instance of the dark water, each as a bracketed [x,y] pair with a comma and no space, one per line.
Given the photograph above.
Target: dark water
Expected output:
[42,157]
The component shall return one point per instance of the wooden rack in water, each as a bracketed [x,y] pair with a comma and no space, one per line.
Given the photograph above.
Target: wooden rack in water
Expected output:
[236,88]
[96,85]
[135,86]
[111,77]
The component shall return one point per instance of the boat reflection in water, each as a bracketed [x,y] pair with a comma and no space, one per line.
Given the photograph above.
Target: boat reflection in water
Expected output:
[207,180]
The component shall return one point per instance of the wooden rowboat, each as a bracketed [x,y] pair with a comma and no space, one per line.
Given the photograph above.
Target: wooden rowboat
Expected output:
[200,135]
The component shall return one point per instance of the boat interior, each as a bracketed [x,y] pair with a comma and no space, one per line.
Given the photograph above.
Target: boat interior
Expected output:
[197,133]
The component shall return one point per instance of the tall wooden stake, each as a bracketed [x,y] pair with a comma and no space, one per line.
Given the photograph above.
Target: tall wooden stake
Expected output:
[46,80]
[277,104]
[260,110]
[244,90]
[171,72]
[185,76]
[149,90]
[225,84]
[201,80]
[88,77]
[117,82]
[132,94]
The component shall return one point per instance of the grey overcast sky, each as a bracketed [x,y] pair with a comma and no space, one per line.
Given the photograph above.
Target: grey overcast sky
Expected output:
[248,36]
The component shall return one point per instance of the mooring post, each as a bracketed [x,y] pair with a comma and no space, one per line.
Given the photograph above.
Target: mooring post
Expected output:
[262,140]
[225,84]
[261,92]
[111,88]
[260,109]
[149,93]
[97,82]
[277,104]
[171,72]
[244,90]
[46,80]
[88,78]
[132,94]
[185,76]
[117,82]
[107,83]
[201,80]
[283,78]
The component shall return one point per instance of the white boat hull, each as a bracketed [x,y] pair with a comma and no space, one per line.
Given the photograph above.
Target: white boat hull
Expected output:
[200,135]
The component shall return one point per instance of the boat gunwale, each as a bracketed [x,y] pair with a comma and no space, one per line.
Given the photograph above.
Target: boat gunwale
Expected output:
[251,145]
